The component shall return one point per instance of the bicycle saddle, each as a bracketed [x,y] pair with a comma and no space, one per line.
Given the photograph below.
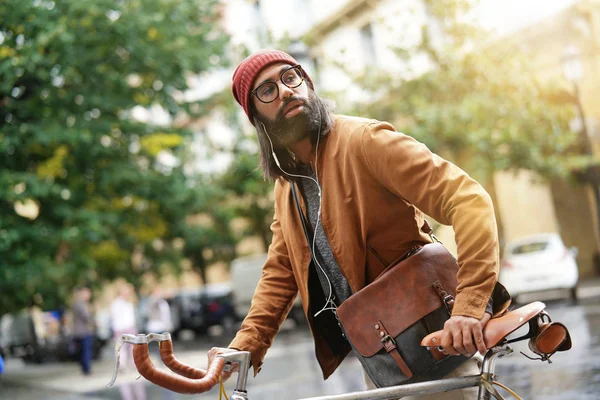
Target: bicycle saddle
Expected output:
[497,328]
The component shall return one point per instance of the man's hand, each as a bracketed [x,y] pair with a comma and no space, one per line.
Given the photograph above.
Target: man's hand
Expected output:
[215,351]
[464,335]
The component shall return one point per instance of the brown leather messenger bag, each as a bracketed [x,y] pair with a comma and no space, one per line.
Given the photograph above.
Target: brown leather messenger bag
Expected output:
[386,321]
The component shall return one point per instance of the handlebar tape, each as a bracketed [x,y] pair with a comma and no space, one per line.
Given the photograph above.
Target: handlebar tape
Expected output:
[174,382]
[168,358]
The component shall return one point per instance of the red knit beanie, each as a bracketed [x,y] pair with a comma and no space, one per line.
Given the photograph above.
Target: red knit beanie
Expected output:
[245,75]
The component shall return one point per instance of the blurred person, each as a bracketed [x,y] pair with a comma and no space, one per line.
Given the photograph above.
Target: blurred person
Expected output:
[135,390]
[83,327]
[159,321]
[366,189]
[159,313]
[122,320]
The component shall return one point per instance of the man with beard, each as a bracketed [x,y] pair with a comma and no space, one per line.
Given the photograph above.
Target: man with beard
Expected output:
[365,189]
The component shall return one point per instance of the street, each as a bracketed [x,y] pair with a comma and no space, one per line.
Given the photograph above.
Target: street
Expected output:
[291,371]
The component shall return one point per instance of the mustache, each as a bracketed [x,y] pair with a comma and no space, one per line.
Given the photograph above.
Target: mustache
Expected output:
[286,102]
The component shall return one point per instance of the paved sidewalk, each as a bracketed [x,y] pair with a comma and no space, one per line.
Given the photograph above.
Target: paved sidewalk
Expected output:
[589,288]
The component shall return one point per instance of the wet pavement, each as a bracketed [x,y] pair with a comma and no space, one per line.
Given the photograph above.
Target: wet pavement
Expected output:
[291,371]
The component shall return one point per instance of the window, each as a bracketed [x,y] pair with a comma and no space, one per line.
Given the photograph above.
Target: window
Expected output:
[368,44]
[530,248]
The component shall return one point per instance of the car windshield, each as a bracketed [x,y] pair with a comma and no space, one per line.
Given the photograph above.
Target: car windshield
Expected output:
[530,248]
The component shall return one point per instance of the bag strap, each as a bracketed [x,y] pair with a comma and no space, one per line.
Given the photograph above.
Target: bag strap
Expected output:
[429,230]
[307,234]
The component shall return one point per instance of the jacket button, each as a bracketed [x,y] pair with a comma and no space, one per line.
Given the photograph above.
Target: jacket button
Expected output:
[376,326]
[382,333]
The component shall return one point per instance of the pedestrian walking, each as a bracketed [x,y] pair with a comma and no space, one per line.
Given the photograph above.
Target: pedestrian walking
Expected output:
[84,327]
[123,321]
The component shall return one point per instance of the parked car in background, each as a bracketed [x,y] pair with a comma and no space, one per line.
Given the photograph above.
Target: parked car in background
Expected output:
[245,274]
[539,263]
[199,308]
[3,339]
[38,336]
[217,300]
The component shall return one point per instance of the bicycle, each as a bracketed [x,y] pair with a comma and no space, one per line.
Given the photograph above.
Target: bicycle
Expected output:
[545,339]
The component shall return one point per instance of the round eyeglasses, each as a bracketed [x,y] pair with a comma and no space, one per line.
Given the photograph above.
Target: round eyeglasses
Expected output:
[291,77]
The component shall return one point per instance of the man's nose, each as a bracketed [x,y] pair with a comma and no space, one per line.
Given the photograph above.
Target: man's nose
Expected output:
[284,91]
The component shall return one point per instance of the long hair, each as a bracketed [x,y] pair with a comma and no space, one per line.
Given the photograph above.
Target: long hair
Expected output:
[322,118]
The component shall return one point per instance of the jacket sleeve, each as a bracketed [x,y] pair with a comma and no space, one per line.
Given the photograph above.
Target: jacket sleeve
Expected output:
[445,192]
[272,300]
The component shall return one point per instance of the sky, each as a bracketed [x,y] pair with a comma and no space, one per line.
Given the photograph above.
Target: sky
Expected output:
[504,16]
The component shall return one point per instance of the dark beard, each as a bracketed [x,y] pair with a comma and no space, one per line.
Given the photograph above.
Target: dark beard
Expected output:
[287,131]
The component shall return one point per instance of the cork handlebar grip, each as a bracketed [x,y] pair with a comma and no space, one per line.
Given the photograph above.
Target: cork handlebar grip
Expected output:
[168,358]
[176,383]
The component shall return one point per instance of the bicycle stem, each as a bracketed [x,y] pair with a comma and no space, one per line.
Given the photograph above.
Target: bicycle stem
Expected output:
[243,358]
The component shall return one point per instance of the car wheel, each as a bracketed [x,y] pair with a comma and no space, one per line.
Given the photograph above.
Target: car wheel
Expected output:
[228,323]
[297,315]
[573,294]
[200,330]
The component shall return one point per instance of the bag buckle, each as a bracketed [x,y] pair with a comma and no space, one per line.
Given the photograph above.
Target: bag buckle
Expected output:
[388,338]
[449,302]
[446,297]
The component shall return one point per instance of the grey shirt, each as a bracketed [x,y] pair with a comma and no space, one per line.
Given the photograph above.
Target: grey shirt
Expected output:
[322,248]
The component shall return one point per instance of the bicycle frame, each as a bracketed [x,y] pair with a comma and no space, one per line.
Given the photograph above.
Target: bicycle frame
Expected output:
[484,381]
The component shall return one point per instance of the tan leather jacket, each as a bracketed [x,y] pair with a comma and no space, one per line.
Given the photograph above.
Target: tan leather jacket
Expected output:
[376,185]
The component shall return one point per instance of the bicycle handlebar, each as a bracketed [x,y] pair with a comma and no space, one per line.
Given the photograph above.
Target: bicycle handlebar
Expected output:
[189,380]
[176,383]
[169,359]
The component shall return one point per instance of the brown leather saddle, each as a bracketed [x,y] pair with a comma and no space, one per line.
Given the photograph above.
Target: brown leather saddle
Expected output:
[545,337]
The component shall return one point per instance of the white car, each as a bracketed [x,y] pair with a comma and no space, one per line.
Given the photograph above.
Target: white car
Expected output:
[539,263]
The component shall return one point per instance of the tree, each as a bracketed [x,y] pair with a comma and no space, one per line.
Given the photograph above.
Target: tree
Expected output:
[241,192]
[250,195]
[87,192]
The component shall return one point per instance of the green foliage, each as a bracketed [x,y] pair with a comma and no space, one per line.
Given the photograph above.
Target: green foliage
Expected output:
[105,187]
[250,196]
[241,193]
[483,108]
[488,112]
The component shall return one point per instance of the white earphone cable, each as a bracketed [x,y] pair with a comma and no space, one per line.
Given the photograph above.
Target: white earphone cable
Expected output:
[329,304]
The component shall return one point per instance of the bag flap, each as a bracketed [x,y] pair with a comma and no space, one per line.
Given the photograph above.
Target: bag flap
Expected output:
[400,296]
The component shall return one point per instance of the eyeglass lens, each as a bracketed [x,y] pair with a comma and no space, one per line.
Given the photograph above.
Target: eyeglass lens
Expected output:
[268,91]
